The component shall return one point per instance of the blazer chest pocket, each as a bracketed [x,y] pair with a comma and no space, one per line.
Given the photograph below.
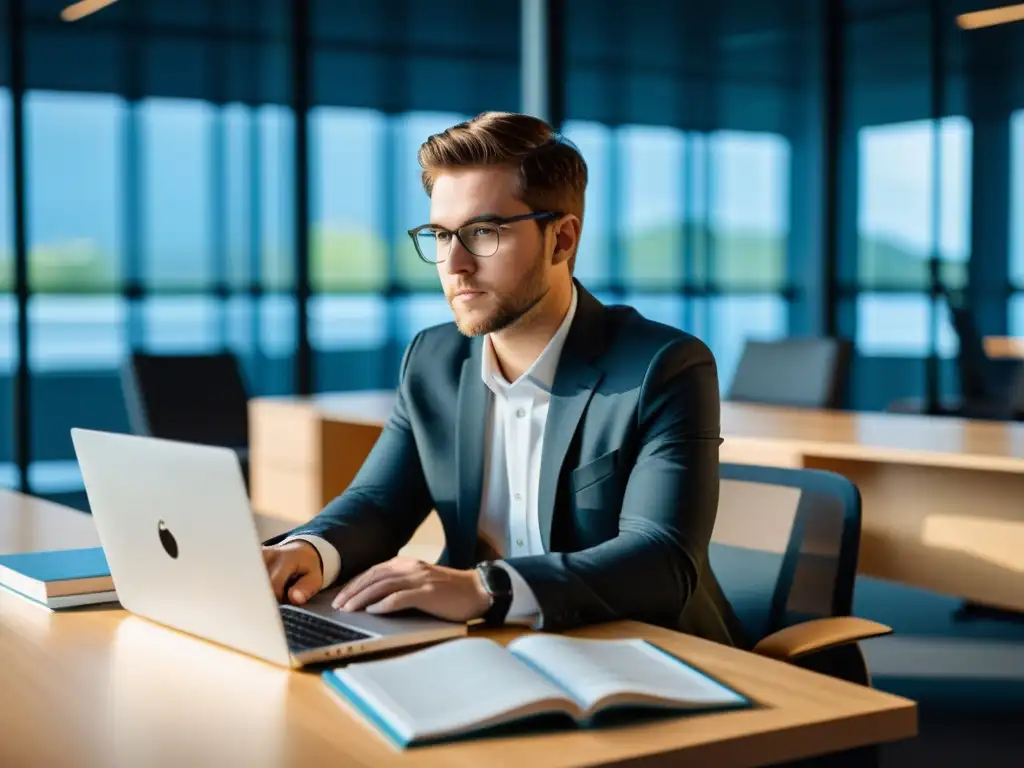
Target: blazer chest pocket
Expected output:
[588,481]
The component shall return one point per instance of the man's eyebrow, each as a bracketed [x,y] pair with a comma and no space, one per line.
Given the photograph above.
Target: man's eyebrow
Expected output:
[475,220]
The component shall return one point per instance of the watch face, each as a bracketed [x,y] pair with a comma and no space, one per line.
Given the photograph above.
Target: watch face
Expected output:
[496,579]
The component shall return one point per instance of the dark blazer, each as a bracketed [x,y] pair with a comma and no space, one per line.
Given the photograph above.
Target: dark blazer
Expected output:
[629,473]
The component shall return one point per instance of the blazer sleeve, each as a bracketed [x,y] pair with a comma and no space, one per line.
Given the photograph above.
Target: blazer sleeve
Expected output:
[649,570]
[387,500]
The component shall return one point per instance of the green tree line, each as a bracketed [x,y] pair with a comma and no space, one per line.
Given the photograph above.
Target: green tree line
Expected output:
[353,261]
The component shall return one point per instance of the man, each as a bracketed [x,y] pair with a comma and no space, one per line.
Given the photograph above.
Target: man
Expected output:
[570,449]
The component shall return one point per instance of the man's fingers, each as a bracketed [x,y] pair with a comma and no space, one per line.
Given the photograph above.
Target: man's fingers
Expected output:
[370,576]
[401,600]
[377,591]
[304,588]
[280,571]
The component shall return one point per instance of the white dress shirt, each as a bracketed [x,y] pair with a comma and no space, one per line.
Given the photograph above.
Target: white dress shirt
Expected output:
[509,517]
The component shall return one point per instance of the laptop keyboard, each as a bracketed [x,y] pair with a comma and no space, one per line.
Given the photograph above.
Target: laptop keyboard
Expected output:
[306,630]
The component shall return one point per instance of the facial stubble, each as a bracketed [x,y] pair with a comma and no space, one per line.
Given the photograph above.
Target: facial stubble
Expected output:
[527,294]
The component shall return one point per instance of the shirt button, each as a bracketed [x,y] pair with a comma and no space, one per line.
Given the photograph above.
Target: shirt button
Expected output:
[519,542]
[521,413]
[517,496]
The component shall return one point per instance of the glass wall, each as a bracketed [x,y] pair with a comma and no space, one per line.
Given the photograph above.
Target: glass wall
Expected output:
[688,114]
[905,186]
[384,80]
[159,205]
[8,306]
[162,198]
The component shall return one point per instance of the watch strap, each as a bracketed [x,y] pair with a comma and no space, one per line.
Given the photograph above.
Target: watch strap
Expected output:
[498,584]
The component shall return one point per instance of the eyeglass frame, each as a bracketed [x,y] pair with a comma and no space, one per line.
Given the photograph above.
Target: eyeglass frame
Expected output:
[499,221]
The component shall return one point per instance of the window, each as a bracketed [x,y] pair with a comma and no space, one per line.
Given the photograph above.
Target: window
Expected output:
[896,210]
[687,121]
[383,81]
[76,322]
[1017,199]
[736,319]
[749,214]
[594,142]
[1017,316]
[652,206]
[348,248]
[8,307]
[897,325]
[177,169]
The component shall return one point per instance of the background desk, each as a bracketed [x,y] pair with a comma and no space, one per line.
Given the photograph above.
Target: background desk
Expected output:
[99,687]
[943,497]
[1005,347]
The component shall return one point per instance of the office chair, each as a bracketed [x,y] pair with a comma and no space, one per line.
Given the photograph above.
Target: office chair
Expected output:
[1017,395]
[192,398]
[986,386]
[784,550]
[802,373]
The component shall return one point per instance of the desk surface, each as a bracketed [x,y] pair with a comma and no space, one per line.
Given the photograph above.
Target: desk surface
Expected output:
[896,438]
[101,687]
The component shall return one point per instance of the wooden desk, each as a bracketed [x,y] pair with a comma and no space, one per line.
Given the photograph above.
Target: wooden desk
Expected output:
[1004,347]
[943,497]
[99,687]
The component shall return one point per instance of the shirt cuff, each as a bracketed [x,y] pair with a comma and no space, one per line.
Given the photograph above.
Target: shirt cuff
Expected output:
[329,556]
[525,610]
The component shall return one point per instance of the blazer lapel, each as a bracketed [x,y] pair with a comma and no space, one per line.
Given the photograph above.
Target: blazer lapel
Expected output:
[575,381]
[470,433]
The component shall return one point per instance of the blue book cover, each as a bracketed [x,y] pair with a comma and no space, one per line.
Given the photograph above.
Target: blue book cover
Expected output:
[63,565]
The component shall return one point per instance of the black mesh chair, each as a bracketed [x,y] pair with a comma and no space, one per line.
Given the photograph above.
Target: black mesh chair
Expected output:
[802,373]
[785,550]
[987,387]
[191,398]
[1017,395]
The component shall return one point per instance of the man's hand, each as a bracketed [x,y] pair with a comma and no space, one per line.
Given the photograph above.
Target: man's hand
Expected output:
[294,567]
[404,582]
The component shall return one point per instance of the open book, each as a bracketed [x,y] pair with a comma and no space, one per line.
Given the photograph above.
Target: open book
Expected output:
[465,686]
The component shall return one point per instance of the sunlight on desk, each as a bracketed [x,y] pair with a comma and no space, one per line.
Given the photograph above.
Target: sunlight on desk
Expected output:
[999,542]
[167,688]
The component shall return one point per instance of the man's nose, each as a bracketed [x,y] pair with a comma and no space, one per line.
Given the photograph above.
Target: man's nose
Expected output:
[459,259]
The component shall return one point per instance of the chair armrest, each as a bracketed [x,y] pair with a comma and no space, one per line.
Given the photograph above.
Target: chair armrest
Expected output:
[818,635]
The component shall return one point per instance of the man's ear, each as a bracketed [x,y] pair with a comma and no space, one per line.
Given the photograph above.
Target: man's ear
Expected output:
[567,238]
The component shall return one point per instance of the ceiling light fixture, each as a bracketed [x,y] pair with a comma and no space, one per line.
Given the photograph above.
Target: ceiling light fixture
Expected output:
[84,8]
[991,17]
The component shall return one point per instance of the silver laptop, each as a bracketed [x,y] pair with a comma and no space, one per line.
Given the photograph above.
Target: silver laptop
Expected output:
[181,542]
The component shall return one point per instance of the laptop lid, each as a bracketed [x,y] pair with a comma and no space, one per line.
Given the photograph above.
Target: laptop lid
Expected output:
[180,539]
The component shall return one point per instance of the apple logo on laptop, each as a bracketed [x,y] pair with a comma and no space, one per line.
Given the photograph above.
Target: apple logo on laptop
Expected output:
[167,539]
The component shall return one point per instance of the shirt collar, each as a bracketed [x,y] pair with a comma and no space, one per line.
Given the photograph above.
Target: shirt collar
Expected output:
[542,372]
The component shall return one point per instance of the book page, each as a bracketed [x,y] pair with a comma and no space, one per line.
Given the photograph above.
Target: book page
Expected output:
[456,686]
[630,670]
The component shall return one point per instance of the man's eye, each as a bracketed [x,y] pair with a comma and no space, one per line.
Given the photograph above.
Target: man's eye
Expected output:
[443,237]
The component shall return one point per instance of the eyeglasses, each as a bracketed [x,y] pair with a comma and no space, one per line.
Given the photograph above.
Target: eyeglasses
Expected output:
[481,238]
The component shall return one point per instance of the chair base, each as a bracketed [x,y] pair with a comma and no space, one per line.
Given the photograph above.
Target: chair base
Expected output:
[969,611]
[865,757]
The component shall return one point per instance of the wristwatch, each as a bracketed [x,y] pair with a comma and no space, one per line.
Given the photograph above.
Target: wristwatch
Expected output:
[499,586]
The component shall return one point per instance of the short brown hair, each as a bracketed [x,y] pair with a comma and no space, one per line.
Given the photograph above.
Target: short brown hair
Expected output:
[552,172]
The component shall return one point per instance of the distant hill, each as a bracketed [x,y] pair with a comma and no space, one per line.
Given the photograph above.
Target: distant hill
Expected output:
[355,261]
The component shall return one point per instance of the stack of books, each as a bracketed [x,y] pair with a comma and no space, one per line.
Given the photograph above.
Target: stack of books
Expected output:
[61,579]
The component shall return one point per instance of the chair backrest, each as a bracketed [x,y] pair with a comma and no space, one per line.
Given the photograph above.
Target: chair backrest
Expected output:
[785,545]
[799,372]
[1017,394]
[972,363]
[196,398]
